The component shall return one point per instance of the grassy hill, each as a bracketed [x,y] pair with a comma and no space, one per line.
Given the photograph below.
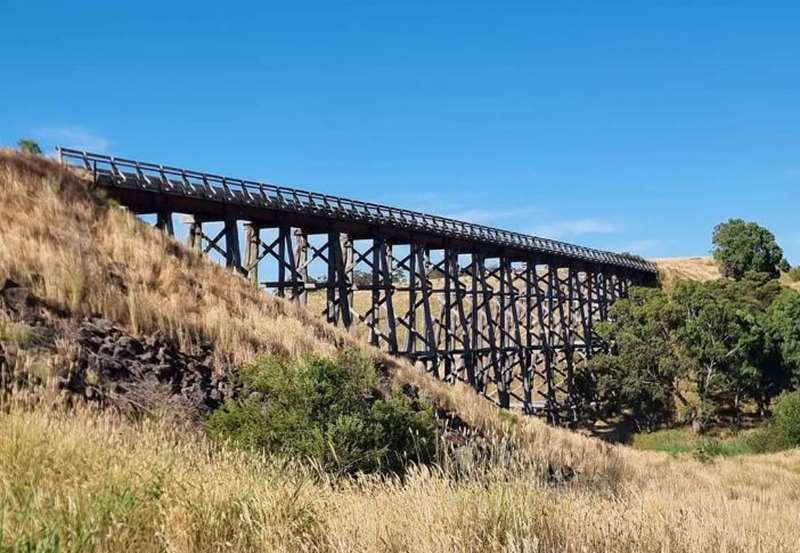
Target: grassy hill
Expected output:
[673,269]
[73,478]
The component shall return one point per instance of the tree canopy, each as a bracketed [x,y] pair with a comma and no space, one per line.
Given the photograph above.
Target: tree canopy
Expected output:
[640,372]
[741,246]
[706,347]
[783,328]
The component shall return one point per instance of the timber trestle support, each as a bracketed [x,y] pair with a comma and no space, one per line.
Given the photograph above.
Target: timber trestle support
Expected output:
[510,315]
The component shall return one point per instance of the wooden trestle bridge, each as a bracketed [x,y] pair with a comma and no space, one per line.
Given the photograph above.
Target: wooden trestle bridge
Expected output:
[510,314]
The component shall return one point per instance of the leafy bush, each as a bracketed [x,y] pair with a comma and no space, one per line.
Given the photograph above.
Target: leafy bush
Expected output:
[327,411]
[783,431]
[786,418]
[794,274]
[740,247]
[29,146]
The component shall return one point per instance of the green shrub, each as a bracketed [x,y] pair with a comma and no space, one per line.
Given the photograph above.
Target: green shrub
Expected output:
[786,418]
[766,440]
[327,411]
[19,334]
[794,274]
[29,146]
[783,431]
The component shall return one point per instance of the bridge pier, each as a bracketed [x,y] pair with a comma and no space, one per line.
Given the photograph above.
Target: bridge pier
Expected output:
[197,239]
[164,222]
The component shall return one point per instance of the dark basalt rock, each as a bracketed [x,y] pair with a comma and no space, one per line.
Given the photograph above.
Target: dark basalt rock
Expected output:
[117,368]
[114,368]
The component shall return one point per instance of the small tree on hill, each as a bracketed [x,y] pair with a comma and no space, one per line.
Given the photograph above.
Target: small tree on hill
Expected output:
[29,146]
[740,246]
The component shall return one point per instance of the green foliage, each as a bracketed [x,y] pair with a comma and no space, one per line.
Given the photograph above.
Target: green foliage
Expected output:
[711,336]
[29,146]
[682,441]
[740,246]
[640,372]
[327,411]
[707,449]
[708,347]
[786,418]
[674,441]
[783,430]
[783,327]
[724,341]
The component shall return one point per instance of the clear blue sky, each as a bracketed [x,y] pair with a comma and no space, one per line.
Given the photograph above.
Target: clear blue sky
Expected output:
[624,125]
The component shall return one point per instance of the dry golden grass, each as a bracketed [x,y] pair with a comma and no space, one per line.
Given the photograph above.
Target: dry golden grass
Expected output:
[673,269]
[95,482]
[789,283]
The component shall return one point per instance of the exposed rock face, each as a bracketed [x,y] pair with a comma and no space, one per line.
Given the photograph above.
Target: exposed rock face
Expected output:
[110,367]
[134,374]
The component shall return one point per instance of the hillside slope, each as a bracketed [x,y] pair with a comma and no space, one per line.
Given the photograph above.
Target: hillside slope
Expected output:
[74,479]
[86,256]
[673,269]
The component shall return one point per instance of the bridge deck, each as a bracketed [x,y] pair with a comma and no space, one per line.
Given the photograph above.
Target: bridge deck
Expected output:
[149,187]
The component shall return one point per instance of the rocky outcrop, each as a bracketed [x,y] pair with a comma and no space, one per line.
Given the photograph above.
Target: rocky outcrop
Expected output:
[114,367]
[106,365]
